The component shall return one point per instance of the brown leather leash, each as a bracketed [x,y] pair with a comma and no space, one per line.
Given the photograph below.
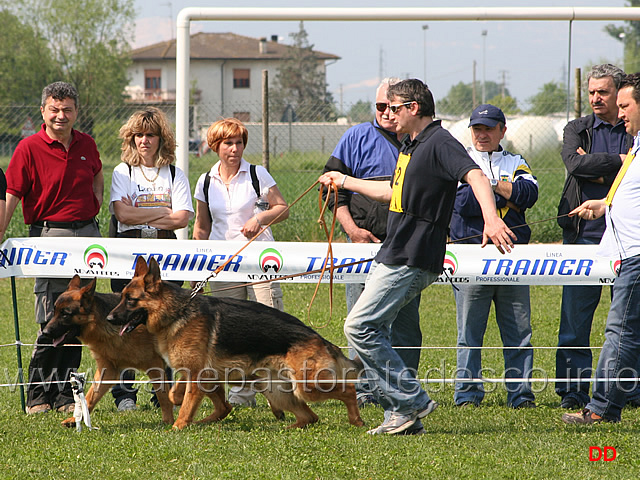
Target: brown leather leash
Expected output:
[333,190]
[201,284]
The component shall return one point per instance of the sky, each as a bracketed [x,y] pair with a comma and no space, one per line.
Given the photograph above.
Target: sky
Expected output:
[523,55]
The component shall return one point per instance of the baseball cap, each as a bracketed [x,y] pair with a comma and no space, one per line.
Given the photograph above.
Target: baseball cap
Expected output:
[488,115]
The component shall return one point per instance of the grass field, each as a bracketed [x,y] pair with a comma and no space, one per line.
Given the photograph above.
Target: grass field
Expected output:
[492,441]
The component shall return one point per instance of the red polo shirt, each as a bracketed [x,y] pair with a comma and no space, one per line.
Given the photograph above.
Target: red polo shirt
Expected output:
[53,183]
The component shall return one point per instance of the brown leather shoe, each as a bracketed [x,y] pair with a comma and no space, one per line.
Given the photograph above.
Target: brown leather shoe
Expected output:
[42,408]
[68,408]
[583,417]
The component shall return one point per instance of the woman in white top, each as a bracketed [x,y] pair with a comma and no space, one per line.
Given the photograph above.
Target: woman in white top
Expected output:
[150,197]
[233,210]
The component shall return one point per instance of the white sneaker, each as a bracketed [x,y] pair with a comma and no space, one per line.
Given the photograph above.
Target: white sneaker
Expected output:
[397,423]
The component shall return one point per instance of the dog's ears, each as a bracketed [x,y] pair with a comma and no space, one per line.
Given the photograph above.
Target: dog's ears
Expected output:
[141,267]
[152,279]
[74,284]
[90,289]
[154,268]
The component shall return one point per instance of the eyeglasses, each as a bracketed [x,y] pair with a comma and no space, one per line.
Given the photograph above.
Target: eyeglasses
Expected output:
[381,106]
[395,108]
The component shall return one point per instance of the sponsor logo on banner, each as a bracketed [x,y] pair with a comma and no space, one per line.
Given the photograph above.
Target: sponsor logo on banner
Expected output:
[450,263]
[270,259]
[450,267]
[96,256]
[615,266]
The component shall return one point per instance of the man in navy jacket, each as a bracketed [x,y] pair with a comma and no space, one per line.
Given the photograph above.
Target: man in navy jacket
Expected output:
[515,190]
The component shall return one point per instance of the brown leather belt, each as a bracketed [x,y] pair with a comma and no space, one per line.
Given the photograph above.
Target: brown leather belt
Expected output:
[150,233]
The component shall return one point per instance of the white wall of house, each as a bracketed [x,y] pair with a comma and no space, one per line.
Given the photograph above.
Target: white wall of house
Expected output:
[214,80]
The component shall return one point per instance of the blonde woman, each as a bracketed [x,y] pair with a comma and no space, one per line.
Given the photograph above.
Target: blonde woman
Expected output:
[150,197]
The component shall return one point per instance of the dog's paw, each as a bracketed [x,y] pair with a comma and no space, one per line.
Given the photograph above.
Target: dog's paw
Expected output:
[69,422]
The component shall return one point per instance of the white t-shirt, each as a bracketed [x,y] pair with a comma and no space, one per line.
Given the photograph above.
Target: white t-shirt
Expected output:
[231,209]
[161,192]
[621,239]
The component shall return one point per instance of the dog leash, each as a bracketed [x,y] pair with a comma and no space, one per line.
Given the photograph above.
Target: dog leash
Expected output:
[333,190]
[201,284]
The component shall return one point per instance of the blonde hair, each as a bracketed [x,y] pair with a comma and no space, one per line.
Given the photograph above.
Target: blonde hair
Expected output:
[149,120]
[223,129]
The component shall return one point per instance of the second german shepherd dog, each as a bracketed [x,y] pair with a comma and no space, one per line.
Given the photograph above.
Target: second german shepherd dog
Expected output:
[212,340]
[81,312]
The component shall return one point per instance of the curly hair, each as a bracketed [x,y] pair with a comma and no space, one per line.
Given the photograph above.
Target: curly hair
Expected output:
[59,91]
[149,120]
[226,128]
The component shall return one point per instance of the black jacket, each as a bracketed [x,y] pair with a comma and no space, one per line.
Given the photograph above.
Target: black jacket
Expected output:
[581,168]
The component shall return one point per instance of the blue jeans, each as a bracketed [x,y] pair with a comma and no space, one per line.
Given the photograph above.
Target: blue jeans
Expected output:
[621,349]
[579,304]
[368,330]
[513,315]
[405,332]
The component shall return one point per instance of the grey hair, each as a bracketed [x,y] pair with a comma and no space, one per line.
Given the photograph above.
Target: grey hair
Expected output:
[606,70]
[387,82]
[59,91]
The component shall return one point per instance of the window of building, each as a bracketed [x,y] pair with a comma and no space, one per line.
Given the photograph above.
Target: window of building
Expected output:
[152,79]
[242,116]
[241,78]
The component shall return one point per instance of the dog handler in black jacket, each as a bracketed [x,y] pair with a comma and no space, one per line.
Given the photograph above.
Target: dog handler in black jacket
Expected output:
[593,149]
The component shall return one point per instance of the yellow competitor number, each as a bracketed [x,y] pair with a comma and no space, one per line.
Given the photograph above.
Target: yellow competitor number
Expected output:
[398,183]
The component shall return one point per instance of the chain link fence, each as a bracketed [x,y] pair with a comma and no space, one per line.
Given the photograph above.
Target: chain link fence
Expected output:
[298,152]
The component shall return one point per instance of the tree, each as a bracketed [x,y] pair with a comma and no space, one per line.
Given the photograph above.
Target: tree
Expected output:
[459,100]
[360,112]
[25,62]
[629,35]
[551,98]
[89,42]
[299,86]
[507,104]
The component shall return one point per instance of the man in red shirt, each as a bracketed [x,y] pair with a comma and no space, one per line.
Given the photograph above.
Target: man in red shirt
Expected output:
[57,173]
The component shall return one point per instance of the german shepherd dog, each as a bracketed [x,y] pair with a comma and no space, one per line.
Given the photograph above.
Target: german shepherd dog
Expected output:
[212,340]
[81,312]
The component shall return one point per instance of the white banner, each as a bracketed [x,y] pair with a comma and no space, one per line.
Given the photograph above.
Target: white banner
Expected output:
[541,264]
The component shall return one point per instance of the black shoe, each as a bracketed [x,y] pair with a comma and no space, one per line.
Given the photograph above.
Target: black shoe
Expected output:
[635,403]
[571,403]
[526,404]
[467,404]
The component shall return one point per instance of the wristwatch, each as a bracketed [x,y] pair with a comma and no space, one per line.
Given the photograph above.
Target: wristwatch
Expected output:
[494,183]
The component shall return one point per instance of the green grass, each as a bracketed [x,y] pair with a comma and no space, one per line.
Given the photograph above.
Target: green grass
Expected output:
[491,442]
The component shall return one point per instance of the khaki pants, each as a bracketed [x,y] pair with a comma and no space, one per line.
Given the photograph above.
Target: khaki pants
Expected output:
[266,293]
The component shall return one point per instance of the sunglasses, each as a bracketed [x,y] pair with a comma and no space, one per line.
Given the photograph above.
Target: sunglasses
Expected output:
[395,108]
[381,107]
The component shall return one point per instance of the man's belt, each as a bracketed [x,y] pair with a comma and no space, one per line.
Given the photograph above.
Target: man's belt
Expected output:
[71,225]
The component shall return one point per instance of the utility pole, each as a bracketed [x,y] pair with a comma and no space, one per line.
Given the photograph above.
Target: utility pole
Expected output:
[484,66]
[473,87]
[424,29]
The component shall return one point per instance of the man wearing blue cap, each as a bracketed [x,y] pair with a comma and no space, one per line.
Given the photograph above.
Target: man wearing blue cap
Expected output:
[515,189]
